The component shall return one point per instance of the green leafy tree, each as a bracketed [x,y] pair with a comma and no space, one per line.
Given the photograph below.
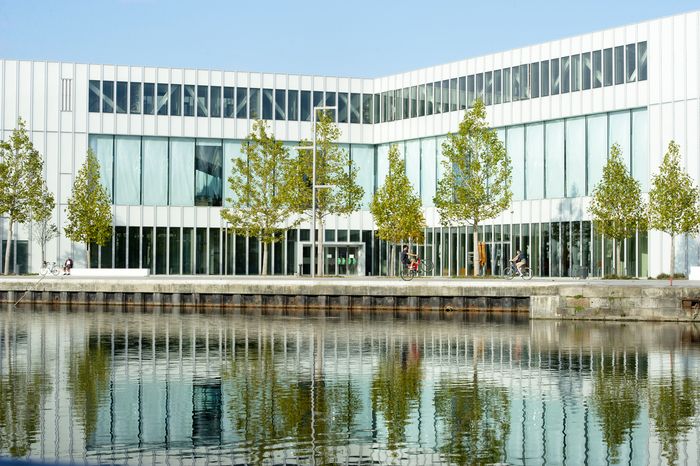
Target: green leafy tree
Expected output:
[476,182]
[21,182]
[673,406]
[673,201]
[89,210]
[396,208]
[43,229]
[260,204]
[617,206]
[334,170]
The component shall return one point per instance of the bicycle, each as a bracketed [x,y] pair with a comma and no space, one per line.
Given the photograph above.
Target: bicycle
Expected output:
[49,268]
[419,266]
[512,271]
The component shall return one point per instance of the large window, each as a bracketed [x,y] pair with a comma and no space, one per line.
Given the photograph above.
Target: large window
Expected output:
[642,60]
[428,154]
[94,98]
[631,59]
[181,172]
[108,96]
[554,159]
[229,102]
[103,147]
[241,102]
[619,129]
[280,104]
[534,161]
[215,107]
[640,147]
[576,157]
[122,97]
[515,145]
[355,107]
[135,98]
[575,73]
[608,67]
[544,75]
[175,100]
[597,69]
[565,75]
[127,170]
[188,101]
[155,171]
[363,158]
[267,104]
[412,157]
[293,105]
[208,165]
[597,138]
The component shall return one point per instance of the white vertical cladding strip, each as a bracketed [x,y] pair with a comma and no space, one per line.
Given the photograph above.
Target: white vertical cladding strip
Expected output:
[666,80]
[9,108]
[679,58]
[24,102]
[586,98]
[655,54]
[136,121]
[216,124]
[38,96]
[109,125]
[80,94]
[52,162]
[693,149]
[575,98]
[176,123]
[175,215]
[495,112]
[565,51]
[53,97]
[189,125]
[543,104]
[162,121]
[66,153]
[201,123]
[429,125]
[229,124]
[692,54]
[679,128]
[242,81]
[149,121]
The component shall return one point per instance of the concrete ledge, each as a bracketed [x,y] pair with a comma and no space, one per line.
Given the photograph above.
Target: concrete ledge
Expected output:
[117,273]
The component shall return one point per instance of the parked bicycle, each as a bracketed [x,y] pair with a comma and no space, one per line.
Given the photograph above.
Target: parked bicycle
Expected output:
[419,267]
[49,268]
[511,272]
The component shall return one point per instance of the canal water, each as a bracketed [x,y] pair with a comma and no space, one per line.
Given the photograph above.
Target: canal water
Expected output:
[115,387]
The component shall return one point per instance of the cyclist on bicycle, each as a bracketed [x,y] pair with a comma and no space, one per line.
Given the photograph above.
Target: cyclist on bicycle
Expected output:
[407,259]
[520,260]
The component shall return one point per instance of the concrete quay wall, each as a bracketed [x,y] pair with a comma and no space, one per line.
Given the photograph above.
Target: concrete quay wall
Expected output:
[542,299]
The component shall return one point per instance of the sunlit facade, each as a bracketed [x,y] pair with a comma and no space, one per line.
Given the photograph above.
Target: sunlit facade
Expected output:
[166,138]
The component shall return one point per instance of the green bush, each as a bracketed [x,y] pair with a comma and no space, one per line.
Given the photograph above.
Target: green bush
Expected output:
[618,277]
[676,276]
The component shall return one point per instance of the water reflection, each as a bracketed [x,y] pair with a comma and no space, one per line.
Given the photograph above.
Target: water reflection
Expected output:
[133,388]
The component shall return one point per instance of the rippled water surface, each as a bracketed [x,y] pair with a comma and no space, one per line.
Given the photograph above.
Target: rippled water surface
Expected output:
[107,387]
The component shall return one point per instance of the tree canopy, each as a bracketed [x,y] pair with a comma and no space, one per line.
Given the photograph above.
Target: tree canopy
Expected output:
[476,181]
[89,208]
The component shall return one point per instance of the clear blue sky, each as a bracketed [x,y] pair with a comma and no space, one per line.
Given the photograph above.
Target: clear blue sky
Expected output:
[327,37]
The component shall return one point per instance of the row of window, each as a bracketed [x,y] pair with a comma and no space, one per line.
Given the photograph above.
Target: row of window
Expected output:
[573,73]
[552,159]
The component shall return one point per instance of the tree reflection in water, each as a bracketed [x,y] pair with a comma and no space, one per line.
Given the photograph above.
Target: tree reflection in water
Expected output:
[396,389]
[617,398]
[672,406]
[474,417]
[88,382]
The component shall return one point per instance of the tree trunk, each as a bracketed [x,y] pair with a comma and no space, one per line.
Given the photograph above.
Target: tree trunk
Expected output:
[617,258]
[673,257]
[88,255]
[392,262]
[319,244]
[8,247]
[264,260]
[475,236]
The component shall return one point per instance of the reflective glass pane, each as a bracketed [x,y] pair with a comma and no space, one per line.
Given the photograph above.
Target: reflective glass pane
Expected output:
[554,159]
[127,170]
[181,172]
[155,171]
[188,100]
[480,86]
[208,167]
[174,251]
[565,75]
[471,90]
[355,107]
[162,99]
[488,88]
[515,145]
[421,100]
[597,137]
[215,107]
[454,97]
[544,76]
[619,129]
[202,101]
[446,96]
[506,85]
[94,97]
[331,102]
[149,98]
[363,158]
[254,104]
[122,97]
[108,96]
[608,67]
[462,92]
[229,102]
[280,104]
[619,64]
[535,80]
[376,108]
[524,82]
[534,161]
[135,98]
[437,108]
[103,147]
[175,99]
[429,99]
[382,163]
[267,104]
[586,71]
[293,105]
[406,104]
[342,107]
[232,152]
[215,251]
[555,76]
[576,73]
[241,102]
[642,60]
[631,59]
[428,170]
[515,83]
[497,95]
[640,147]
[597,69]
[576,157]
[367,108]
[412,158]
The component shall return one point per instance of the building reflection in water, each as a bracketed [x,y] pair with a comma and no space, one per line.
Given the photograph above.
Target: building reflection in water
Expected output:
[417,388]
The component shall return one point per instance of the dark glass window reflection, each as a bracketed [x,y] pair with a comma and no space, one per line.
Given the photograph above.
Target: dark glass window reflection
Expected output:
[188,101]
[215,108]
[135,98]
[162,99]
[175,99]
[331,102]
[267,104]
[497,95]
[446,95]
[94,98]
[642,60]
[565,72]
[241,102]
[254,103]
[122,97]
[597,69]
[108,96]
[354,108]
[293,105]
[376,108]
[429,99]
[149,98]
[535,80]
[208,166]
[608,67]
[229,102]
[586,71]
[421,100]
[202,101]
[305,106]
[619,64]
[280,104]
[342,107]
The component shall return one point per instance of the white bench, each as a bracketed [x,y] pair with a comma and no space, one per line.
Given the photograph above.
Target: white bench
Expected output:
[119,273]
[694,273]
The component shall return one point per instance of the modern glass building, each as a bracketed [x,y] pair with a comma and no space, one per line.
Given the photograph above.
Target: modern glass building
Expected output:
[165,139]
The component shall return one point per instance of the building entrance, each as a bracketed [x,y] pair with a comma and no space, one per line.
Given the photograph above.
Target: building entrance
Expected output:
[338,258]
